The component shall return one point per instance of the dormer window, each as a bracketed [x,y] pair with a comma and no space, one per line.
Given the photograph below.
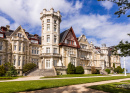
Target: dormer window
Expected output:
[34,41]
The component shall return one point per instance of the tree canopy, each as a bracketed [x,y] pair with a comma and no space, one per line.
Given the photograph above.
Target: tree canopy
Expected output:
[124,48]
[124,5]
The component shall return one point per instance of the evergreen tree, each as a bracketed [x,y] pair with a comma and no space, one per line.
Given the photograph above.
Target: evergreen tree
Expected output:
[71,69]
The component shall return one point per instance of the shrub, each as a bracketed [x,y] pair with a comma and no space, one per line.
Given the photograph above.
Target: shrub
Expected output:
[2,70]
[79,70]
[11,71]
[93,70]
[71,69]
[108,71]
[97,71]
[28,67]
[119,70]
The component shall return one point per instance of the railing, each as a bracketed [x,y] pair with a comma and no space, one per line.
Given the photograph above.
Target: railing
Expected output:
[50,54]
[59,67]
[26,73]
[87,50]
[89,67]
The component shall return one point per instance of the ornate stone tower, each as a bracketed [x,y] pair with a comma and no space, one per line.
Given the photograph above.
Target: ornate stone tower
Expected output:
[50,38]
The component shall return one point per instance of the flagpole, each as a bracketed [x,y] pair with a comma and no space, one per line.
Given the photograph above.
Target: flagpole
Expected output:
[124,67]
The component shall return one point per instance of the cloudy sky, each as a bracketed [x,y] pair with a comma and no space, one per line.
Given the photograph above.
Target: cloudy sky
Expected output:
[94,19]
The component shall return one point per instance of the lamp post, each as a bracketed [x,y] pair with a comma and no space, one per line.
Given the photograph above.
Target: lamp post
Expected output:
[124,67]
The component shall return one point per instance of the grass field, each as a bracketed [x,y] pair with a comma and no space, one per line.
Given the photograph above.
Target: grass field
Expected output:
[114,87]
[9,87]
[73,75]
[8,78]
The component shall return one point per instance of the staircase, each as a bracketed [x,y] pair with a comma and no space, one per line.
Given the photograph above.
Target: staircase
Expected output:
[103,72]
[42,72]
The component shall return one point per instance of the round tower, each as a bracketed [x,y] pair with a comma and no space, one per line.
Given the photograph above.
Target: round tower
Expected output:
[50,36]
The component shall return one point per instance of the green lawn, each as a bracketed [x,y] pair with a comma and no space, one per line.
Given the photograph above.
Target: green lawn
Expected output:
[8,78]
[73,75]
[9,87]
[113,87]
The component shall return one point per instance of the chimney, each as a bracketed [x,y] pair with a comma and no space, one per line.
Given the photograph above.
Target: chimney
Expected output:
[35,35]
[8,27]
[27,33]
[52,10]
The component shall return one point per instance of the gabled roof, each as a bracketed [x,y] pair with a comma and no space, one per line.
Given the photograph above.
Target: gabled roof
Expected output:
[10,32]
[64,34]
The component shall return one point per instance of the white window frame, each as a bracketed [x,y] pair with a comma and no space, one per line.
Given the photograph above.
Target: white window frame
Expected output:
[48,27]
[55,39]
[48,50]
[19,60]
[48,38]
[55,50]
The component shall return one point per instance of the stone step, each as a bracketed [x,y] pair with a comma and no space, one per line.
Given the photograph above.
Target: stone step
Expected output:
[42,72]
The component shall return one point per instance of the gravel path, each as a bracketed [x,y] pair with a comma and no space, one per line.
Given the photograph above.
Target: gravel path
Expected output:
[80,88]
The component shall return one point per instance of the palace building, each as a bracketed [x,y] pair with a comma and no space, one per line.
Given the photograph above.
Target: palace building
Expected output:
[53,50]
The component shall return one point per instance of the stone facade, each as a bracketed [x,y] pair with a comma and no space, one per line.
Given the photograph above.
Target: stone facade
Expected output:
[52,49]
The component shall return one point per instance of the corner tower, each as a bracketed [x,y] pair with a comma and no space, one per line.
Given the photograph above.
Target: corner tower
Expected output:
[50,37]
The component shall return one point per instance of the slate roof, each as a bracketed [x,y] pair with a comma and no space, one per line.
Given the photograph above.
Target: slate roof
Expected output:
[9,32]
[63,35]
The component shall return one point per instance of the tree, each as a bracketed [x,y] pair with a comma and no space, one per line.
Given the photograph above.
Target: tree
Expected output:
[11,71]
[113,65]
[124,5]
[71,69]
[124,48]
[79,70]
[28,67]
[108,71]
[2,70]
[119,70]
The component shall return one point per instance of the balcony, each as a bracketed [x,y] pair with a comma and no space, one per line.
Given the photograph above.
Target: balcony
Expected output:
[87,50]
[50,55]
[18,38]
[84,58]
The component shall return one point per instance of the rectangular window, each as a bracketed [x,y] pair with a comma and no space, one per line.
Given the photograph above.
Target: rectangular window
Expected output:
[54,39]
[47,50]
[48,38]
[69,42]
[54,27]
[19,35]
[23,60]
[54,21]
[15,44]
[47,63]
[19,60]
[48,27]
[1,45]
[1,35]
[55,50]
[35,50]
[19,46]
[55,62]
[14,59]
[48,20]
[0,60]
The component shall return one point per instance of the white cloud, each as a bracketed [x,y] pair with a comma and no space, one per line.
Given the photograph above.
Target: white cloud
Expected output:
[28,11]
[107,4]
[3,21]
